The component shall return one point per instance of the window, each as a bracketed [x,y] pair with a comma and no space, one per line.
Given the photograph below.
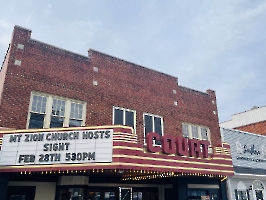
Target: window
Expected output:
[94,195]
[185,130]
[137,196]
[242,195]
[258,185]
[195,131]
[38,111]
[126,117]
[204,133]
[76,114]
[241,192]
[17,197]
[58,113]
[71,193]
[49,111]
[153,123]
[109,196]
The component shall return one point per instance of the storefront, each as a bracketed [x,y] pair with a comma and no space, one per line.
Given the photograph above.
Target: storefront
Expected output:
[108,163]
[248,152]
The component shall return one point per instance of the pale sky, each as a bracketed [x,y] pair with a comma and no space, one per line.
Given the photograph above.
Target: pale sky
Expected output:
[206,44]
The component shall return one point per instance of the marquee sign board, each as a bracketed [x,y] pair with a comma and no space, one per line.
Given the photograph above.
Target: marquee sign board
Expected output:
[89,146]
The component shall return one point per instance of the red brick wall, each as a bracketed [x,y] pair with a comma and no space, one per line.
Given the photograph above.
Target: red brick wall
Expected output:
[258,128]
[120,83]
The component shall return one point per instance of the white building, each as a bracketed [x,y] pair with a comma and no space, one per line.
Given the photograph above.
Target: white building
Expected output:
[248,153]
[255,115]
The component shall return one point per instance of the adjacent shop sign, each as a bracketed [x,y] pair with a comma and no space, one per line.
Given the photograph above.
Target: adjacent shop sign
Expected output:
[247,149]
[178,145]
[57,147]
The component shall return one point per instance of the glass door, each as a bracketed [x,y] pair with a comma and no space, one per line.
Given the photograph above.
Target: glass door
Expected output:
[214,195]
[125,193]
[109,196]
[71,194]
[142,193]
[92,195]
[137,195]
[99,193]
[21,193]
[196,194]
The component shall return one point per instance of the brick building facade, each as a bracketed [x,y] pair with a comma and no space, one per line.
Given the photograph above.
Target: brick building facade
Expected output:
[119,83]
[43,86]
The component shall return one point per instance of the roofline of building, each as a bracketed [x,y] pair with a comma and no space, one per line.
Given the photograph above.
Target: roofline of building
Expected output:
[249,133]
[194,90]
[131,63]
[64,50]
[88,57]
[21,27]
[252,109]
[248,110]
[146,68]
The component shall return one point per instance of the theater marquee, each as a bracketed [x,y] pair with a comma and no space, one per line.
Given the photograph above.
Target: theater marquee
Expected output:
[57,147]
